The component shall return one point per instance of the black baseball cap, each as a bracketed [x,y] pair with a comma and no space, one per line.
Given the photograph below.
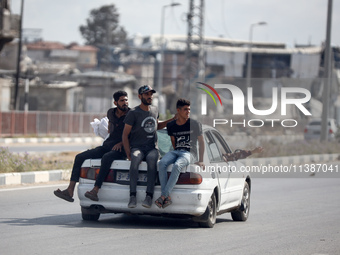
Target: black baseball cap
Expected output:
[145,89]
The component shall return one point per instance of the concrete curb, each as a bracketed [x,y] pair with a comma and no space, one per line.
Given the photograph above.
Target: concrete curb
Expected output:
[21,140]
[58,175]
[295,160]
[34,177]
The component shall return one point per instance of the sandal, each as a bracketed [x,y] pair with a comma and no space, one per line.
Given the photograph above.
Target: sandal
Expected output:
[167,202]
[63,195]
[159,202]
[92,195]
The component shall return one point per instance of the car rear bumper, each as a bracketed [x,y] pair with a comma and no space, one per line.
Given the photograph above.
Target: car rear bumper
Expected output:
[113,198]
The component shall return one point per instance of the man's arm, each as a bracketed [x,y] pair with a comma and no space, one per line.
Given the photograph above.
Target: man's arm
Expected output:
[173,141]
[125,138]
[200,151]
[161,125]
[241,154]
[109,127]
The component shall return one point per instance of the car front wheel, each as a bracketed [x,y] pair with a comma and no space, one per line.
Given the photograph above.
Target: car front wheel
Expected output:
[242,213]
[210,212]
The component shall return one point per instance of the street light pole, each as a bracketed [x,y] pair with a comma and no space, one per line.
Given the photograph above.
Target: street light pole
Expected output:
[17,76]
[327,75]
[161,61]
[250,50]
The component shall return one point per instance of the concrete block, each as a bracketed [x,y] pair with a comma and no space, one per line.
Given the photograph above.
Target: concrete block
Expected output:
[28,177]
[2,179]
[13,178]
[41,176]
[55,175]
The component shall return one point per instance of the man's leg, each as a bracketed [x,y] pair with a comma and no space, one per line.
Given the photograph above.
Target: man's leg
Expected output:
[151,161]
[183,160]
[136,157]
[168,159]
[67,194]
[105,165]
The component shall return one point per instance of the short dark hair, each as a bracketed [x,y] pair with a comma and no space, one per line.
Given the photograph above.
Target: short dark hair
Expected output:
[182,102]
[118,94]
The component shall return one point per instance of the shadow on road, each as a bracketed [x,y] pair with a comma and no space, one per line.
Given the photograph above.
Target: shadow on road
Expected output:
[120,221]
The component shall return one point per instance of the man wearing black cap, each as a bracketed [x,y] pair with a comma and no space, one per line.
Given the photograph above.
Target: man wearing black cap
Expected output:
[140,143]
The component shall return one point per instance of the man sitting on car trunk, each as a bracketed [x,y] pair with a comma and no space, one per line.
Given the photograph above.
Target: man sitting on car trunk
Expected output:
[184,133]
[140,143]
[112,149]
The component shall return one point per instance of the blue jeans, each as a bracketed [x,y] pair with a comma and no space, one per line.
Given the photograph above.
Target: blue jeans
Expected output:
[179,159]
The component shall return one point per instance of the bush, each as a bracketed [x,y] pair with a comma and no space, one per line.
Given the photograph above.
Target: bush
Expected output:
[11,162]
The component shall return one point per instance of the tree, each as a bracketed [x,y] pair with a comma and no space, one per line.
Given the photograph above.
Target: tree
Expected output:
[103,27]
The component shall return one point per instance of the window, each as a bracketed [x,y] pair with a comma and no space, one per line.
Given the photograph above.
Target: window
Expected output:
[212,148]
[221,144]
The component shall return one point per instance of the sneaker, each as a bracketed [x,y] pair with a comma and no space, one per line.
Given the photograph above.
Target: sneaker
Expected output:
[147,202]
[132,202]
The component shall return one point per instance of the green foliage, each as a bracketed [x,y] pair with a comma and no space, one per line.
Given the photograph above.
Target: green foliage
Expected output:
[11,162]
[102,27]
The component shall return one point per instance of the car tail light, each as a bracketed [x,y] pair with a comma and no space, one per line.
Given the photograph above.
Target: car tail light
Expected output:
[189,178]
[92,173]
[89,173]
[306,130]
[83,172]
[330,131]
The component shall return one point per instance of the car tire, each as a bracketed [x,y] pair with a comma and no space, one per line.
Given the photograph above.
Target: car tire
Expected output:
[210,212]
[89,216]
[242,213]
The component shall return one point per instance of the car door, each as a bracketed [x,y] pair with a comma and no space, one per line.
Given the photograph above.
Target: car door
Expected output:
[215,149]
[230,178]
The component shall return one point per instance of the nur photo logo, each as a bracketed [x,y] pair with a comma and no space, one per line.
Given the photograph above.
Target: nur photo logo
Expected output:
[204,97]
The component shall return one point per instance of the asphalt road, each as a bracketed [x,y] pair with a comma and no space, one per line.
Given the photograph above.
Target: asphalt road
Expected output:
[287,216]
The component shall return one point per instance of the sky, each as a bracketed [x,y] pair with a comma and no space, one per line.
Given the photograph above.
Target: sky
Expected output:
[288,21]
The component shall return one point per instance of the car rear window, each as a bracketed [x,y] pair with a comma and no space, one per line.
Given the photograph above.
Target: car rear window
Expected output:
[315,123]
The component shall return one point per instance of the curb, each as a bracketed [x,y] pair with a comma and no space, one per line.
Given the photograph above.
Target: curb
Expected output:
[58,175]
[34,177]
[303,159]
[21,140]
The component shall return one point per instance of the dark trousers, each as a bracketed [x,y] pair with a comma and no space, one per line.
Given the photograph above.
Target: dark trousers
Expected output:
[107,157]
[151,158]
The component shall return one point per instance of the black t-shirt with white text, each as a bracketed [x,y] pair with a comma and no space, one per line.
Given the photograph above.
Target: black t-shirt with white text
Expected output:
[185,135]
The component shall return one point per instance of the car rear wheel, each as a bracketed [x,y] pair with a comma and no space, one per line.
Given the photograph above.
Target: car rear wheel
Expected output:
[242,213]
[86,215]
[210,213]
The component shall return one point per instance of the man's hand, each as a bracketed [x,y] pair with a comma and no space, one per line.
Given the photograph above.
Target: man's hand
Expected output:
[118,147]
[201,164]
[257,150]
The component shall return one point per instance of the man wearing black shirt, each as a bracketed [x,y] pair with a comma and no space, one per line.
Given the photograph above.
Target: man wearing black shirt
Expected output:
[112,149]
[184,134]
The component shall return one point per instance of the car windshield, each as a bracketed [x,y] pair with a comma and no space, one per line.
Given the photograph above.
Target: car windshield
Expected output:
[164,142]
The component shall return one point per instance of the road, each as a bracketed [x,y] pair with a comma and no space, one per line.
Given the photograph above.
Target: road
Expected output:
[287,216]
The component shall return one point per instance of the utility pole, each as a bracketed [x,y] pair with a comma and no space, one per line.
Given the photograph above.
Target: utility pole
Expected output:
[16,90]
[327,75]
[195,35]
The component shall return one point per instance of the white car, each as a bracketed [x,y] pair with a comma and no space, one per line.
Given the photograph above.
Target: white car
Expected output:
[199,194]
[313,129]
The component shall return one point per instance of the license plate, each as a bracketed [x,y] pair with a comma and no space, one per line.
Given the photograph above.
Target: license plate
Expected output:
[125,176]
